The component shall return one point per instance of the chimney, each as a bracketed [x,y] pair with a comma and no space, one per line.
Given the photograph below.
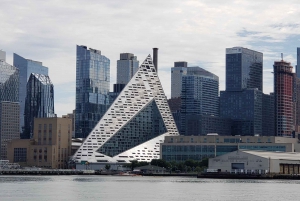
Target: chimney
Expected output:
[155,57]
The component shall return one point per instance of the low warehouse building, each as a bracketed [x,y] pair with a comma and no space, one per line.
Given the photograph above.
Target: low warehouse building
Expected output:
[245,161]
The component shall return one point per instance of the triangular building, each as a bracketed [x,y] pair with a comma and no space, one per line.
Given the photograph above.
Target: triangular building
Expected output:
[134,125]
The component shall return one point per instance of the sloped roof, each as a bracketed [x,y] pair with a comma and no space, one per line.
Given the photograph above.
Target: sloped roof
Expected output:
[275,155]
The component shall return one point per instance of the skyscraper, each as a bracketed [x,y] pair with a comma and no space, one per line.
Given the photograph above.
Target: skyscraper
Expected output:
[298,63]
[243,69]
[134,125]
[92,88]
[126,67]
[26,67]
[39,102]
[177,72]
[242,100]
[199,94]
[9,104]
[284,103]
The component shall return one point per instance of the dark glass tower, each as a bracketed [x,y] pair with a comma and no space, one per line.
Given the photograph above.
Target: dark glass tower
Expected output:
[26,67]
[39,102]
[92,89]
[243,69]
[242,100]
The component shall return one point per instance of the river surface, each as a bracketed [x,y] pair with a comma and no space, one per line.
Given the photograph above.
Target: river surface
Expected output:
[139,188]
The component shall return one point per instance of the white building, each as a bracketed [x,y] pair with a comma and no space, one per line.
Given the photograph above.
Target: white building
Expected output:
[134,125]
[245,161]
[177,73]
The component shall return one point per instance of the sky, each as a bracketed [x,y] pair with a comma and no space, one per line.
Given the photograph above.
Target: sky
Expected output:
[196,31]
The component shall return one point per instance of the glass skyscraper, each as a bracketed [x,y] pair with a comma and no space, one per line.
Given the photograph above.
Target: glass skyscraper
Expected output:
[39,101]
[243,69]
[9,104]
[242,100]
[26,67]
[199,94]
[92,89]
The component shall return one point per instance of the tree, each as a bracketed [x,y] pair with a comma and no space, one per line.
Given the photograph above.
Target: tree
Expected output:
[107,167]
[160,163]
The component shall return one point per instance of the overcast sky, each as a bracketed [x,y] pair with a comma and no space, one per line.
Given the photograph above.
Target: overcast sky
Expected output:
[184,30]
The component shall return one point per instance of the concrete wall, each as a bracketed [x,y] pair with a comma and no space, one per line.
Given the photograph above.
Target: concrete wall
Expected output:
[251,162]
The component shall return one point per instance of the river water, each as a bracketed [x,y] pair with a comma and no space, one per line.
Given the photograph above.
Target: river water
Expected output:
[139,188]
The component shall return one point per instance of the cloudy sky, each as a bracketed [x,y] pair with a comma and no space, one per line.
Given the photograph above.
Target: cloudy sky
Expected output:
[196,31]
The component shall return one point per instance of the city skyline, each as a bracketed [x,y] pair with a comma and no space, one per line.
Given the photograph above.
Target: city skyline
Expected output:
[178,29]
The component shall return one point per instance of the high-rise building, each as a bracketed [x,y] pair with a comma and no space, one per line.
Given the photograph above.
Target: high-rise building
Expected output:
[199,94]
[298,63]
[126,67]
[242,100]
[244,108]
[9,104]
[134,125]
[243,69]
[177,72]
[268,115]
[92,88]
[39,102]
[283,95]
[26,67]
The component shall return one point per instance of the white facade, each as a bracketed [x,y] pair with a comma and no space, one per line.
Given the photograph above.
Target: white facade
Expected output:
[255,161]
[176,80]
[109,136]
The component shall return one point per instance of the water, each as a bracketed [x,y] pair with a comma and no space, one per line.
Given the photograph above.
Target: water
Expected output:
[127,188]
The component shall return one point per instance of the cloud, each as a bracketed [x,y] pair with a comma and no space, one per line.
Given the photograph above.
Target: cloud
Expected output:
[194,31]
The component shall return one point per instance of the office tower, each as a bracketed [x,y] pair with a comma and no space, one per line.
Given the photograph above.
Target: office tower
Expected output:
[126,67]
[199,95]
[268,114]
[243,69]
[2,55]
[39,102]
[284,103]
[245,109]
[26,67]
[49,148]
[298,63]
[92,88]
[72,117]
[134,125]
[9,104]
[242,100]
[177,72]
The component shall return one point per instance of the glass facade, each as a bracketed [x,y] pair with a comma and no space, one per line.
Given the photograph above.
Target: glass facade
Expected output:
[245,109]
[243,69]
[92,89]
[26,67]
[146,125]
[199,94]
[9,82]
[39,102]
[181,153]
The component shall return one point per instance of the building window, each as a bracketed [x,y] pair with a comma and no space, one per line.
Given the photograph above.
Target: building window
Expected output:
[20,155]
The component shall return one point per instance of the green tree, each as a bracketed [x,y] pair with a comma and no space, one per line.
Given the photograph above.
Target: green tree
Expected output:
[107,167]
[160,163]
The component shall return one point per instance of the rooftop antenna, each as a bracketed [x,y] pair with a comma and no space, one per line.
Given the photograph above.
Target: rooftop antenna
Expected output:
[281,56]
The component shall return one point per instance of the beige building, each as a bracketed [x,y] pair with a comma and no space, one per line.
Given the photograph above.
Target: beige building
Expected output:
[49,148]
[71,116]
[9,125]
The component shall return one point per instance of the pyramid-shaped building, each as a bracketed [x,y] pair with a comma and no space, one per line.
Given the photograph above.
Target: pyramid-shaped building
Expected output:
[134,125]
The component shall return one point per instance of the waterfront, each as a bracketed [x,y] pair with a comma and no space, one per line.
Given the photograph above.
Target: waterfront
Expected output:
[143,188]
